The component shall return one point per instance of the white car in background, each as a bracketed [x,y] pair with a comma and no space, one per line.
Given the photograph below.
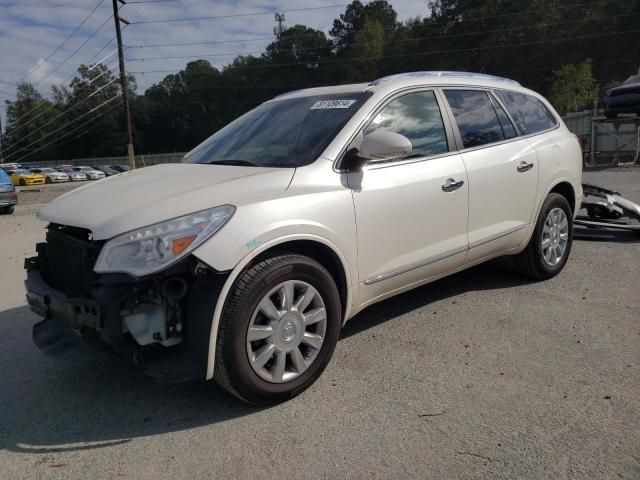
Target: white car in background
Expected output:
[91,173]
[74,175]
[51,175]
[242,263]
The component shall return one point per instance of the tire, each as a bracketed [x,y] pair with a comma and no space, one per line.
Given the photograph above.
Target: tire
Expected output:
[47,180]
[234,370]
[531,261]
[22,182]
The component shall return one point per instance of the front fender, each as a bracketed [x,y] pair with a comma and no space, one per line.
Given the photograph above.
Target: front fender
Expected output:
[244,262]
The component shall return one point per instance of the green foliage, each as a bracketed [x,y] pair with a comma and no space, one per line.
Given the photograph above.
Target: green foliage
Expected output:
[544,44]
[573,87]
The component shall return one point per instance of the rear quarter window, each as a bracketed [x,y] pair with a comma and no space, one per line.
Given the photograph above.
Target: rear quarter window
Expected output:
[529,113]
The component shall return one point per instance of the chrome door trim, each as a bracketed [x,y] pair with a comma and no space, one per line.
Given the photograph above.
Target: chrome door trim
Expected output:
[477,243]
[414,266]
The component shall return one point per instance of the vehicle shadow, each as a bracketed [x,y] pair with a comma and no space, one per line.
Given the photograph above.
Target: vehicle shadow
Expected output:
[101,400]
[493,275]
[95,400]
[605,235]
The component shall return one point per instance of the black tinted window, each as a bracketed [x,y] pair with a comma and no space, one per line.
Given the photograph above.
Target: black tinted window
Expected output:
[508,129]
[417,117]
[476,118]
[529,113]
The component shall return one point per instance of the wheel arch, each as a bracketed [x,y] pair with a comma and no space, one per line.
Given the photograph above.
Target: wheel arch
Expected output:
[316,247]
[565,189]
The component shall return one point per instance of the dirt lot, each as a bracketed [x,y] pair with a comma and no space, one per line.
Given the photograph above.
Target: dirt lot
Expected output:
[481,375]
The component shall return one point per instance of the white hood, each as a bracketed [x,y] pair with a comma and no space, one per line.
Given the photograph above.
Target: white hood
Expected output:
[150,195]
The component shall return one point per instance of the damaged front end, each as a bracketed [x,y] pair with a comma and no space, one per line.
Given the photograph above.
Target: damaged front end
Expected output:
[160,320]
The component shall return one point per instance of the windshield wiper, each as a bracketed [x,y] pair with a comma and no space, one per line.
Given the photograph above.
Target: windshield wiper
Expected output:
[237,163]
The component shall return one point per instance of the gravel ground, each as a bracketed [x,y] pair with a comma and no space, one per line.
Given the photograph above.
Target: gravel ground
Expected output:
[480,375]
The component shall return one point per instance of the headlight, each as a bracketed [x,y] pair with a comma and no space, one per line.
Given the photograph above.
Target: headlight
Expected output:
[155,247]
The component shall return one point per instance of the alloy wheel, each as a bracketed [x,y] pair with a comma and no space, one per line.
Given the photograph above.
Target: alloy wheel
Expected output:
[555,237]
[286,331]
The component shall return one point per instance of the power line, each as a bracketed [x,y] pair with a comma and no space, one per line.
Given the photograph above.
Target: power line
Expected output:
[86,62]
[11,154]
[214,42]
[475,49]
[66,134]
[45,102]
[75,51]
[270,12]
[102,49]
[59,46]
[59,115]
[405,40]
[149,1]
[312,85]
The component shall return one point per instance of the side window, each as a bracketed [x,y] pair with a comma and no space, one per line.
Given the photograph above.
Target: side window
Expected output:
[476,118]
[416,116]
[529,113]
[508,129]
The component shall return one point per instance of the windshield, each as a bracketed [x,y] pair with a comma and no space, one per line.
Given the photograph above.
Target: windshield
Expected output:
[284,133]
[23,172]
[47,170]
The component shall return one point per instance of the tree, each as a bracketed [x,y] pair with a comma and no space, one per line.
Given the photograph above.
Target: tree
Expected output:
[366,52]
[29,122]
[573,87]
[353,20]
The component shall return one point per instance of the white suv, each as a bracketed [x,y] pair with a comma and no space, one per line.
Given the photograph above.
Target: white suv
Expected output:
[243,262]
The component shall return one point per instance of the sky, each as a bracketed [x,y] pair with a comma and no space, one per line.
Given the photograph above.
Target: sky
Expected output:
[31,30]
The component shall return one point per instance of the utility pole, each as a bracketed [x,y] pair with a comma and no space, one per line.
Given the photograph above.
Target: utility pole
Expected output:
[1,146]
[123,80]
[277,31]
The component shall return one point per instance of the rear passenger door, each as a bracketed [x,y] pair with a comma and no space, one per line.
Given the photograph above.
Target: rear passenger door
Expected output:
[501,168]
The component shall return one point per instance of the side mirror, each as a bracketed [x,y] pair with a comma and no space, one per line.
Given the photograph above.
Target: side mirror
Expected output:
[378,146]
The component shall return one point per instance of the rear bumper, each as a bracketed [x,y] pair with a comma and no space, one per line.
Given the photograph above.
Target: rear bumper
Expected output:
[8,199]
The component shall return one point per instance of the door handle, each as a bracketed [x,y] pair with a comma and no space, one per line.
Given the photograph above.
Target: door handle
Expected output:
[524,166]
[450,185]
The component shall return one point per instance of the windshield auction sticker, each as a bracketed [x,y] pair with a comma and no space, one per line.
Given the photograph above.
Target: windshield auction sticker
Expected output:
[328,104]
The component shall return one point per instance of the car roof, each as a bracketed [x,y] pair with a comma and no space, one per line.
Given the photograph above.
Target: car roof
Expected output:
[409,79]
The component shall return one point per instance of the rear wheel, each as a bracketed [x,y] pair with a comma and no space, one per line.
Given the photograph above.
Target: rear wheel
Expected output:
[548,250]
[278,329]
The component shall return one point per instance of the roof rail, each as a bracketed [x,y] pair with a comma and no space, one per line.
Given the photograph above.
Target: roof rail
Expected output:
[442,74]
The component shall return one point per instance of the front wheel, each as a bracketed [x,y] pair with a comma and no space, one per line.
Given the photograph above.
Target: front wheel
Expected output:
[278,329]
[548,250]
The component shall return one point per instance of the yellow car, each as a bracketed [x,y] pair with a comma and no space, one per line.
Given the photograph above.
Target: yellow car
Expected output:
[24,177]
